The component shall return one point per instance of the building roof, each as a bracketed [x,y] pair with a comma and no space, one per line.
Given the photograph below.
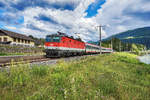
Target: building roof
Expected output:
[15,35]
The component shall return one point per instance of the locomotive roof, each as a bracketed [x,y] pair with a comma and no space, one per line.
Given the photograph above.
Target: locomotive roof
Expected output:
[64,34]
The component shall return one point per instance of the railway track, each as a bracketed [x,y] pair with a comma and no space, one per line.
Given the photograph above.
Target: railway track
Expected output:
[15,60]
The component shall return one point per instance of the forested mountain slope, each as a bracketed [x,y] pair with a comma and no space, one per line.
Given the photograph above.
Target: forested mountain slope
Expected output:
[138,36]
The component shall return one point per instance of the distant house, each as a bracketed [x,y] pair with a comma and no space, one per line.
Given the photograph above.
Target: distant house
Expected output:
[12,38]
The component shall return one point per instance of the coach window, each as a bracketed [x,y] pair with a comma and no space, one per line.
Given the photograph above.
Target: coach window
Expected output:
[0,39]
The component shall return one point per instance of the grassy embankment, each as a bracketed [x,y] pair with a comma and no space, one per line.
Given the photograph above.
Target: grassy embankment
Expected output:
[117,76]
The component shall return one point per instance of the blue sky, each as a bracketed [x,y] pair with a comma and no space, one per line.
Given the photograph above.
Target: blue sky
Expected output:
[93,8]
[42,17]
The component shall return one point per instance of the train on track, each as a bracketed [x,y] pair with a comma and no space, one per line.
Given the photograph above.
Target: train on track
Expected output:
[60,45]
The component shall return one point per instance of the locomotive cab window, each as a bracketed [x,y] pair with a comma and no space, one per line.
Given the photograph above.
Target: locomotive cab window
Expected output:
[56,39]
[48,39]
[52,39]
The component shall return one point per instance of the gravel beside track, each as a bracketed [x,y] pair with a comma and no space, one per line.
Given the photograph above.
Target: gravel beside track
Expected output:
[54,61]
[35,60]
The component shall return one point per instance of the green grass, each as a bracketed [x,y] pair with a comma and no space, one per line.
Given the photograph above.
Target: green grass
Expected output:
[118,76]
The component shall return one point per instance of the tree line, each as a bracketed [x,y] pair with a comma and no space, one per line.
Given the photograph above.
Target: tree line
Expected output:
[119,46]
[38,41]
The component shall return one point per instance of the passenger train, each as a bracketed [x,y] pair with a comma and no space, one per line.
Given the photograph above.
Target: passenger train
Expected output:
[59,45]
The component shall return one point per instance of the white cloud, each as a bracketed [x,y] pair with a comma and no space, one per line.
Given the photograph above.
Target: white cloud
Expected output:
[121,28]
[65,18]
[11,27]
[113,13]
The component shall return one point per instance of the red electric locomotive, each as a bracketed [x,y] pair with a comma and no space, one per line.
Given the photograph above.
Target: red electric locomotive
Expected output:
[58,45]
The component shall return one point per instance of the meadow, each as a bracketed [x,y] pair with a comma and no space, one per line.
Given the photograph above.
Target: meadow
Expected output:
[118,76]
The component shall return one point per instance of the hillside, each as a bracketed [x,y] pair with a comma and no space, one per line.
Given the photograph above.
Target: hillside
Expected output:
[138,36]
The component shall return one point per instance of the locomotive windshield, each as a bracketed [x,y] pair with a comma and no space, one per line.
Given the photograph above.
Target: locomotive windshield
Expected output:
[52,39]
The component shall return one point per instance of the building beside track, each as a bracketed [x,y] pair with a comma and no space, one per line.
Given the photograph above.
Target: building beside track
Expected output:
[13,38]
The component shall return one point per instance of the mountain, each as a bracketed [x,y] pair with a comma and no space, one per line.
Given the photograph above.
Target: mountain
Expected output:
[138,36]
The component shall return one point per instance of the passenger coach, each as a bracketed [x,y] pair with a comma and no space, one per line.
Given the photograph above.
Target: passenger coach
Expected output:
[91,48]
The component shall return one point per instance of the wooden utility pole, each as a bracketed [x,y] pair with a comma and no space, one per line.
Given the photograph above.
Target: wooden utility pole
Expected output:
[100,37]
[120,46]
[127,47]
[111,43]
